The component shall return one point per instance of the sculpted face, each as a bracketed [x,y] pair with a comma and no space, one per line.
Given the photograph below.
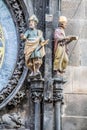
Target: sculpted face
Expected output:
[64,25]
[62,21]
[32,24]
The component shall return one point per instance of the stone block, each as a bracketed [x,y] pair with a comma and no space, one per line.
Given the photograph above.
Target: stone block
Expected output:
[86,9]
[74,123]
[83,31]
[75,105]
[73,9]
[76,80]
[83,52]
[68,85]
[80,80]
[74,26]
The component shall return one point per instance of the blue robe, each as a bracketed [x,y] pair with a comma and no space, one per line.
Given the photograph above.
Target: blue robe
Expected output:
[31,35]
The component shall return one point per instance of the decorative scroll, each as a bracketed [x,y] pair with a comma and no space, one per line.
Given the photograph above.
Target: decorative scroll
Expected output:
[37,90]
[58,91]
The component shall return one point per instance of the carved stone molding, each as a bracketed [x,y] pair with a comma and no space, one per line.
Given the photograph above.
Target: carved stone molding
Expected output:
[36,96]
[11,121]
[58,91]
[36,90]
[53,91]
[57,96]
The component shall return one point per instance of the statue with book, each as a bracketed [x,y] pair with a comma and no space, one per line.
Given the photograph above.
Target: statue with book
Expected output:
[60,47]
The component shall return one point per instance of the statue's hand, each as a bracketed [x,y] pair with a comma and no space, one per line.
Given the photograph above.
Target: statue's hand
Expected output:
[22,36]
[44,42]
[73,38]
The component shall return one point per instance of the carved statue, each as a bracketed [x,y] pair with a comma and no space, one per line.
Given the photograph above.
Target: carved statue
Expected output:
[60,47]
[12,121]
[34,47]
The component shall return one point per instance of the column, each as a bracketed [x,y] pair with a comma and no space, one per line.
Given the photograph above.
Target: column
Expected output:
[36,96]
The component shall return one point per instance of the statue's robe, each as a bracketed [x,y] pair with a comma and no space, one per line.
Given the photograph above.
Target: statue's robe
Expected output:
[60,50]
[32,45]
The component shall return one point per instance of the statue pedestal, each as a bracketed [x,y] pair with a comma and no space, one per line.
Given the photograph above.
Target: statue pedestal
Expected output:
[36,96]
[58,99]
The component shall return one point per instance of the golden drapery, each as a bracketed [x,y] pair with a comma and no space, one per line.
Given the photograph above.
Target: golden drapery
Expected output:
[30,46]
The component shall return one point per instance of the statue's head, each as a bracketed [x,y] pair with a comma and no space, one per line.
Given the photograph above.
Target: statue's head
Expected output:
[62,21]
[33,21]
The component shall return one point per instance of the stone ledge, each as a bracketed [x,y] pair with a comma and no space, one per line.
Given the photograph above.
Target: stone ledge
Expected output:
[76,117]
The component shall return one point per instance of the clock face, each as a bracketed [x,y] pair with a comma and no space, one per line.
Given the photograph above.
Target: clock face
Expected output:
[8,45]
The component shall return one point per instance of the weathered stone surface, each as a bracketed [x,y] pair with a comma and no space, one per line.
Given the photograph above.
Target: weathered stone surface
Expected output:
[74,53]
[74,123]
[83,31]
[75,108]
[83,52]
[77,27]
[74,27]
[73,9]
[85,8]
[29,6]
[68,86]
[76,80]
[75,105]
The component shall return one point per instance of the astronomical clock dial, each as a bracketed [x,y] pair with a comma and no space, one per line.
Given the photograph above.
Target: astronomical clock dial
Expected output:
[8,45]
[12,65]
[2,46]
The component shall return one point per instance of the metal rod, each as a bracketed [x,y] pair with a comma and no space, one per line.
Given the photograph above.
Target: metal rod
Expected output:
[37,116]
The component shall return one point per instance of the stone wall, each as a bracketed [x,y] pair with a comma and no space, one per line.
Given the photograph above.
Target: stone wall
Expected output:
[29,6]
[74,115]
